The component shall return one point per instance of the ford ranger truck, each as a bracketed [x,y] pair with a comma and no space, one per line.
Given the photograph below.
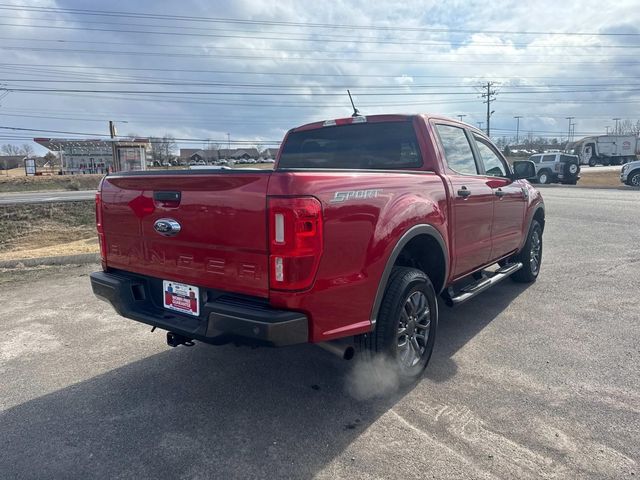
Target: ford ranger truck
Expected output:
[346,243]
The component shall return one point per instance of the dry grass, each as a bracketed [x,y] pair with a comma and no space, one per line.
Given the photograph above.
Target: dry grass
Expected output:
[37,230]
[599,179]
[23,183]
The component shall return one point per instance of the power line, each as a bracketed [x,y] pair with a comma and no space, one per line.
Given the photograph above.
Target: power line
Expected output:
[305,94]
[121,136]
[309,50]
[279,73]
[123,14]
[290,59]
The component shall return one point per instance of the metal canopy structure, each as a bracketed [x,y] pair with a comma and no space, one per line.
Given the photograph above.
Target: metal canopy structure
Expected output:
[96,155]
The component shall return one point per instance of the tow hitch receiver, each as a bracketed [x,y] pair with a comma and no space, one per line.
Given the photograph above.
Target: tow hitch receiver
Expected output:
[175,339]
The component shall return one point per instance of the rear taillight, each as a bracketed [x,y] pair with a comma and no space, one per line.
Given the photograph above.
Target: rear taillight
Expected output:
[100,229]
[295,241]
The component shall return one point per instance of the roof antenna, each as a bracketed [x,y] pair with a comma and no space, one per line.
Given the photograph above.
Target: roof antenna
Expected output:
[356,112]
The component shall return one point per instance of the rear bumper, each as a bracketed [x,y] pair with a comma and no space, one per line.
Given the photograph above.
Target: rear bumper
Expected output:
[222,317]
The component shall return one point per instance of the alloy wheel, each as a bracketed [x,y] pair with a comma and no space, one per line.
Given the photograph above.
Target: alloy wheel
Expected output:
[413,330]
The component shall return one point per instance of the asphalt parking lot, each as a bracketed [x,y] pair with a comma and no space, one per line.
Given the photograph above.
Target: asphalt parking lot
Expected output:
[525,382]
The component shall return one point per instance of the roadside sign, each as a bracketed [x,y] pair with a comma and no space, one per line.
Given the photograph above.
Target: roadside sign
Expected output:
[30,166]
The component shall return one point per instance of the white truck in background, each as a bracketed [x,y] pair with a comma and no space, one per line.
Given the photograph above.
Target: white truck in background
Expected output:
[607,149]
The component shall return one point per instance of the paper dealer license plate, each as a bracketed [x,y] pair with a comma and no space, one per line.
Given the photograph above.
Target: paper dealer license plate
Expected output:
[181,297]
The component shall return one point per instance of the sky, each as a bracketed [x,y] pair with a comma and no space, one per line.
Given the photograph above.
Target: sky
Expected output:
[248,70]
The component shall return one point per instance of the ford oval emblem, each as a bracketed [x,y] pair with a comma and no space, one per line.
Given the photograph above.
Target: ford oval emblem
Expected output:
[167,227]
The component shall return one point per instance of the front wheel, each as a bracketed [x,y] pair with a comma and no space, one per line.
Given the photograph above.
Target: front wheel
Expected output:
[406,325]
[530,256]
[543,178]
[634,180]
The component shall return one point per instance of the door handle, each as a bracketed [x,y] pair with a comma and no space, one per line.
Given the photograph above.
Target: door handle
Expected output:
[463,192]
[499,193]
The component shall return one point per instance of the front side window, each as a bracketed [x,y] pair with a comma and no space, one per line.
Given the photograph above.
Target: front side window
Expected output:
[493,165]
[457,150]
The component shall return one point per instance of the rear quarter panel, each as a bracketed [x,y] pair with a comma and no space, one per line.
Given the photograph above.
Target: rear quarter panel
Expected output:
[359,235]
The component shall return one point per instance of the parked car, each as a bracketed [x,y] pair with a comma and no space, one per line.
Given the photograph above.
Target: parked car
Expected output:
[346,243]
[630,174]
[556,168]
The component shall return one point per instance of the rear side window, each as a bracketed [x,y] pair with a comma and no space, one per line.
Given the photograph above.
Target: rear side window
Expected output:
[568,158]
[383,145]
[457,150]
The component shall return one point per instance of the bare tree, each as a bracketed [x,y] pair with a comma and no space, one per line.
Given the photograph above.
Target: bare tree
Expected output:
[51,158]
[26,150]
[9,149]
[163,149]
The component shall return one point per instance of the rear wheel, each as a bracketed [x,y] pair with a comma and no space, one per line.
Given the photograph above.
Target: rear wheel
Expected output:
[592,162]
[406,325]
[530,256]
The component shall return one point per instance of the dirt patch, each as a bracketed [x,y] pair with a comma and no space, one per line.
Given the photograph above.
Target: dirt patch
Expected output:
[49,182]
[28,230]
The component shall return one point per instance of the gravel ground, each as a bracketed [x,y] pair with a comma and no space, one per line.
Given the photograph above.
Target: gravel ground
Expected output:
[526,383]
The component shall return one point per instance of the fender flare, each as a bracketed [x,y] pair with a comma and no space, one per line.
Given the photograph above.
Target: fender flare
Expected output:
[422,229]
[530,217]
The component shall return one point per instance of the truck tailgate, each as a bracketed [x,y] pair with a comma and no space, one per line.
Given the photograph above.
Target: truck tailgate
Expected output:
[222,241]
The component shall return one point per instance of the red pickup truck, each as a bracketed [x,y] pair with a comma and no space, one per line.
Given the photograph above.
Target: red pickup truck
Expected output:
[346,243]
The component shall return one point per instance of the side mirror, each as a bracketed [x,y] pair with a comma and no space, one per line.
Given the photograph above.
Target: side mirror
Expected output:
[523,169]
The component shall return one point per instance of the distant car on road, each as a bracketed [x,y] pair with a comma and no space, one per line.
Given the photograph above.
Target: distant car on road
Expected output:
[630,174]
[556,167]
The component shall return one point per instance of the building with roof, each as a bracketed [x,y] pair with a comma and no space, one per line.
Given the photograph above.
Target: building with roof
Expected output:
[97,155]
[214,155]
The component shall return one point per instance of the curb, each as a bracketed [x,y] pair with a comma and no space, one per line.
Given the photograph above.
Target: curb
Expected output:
[62,260]
[592,187]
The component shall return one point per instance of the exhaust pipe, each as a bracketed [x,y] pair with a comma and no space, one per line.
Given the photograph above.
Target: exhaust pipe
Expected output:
[339,348]
[175,340]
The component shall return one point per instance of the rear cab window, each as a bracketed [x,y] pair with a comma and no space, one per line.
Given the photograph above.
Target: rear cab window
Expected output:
[379,145]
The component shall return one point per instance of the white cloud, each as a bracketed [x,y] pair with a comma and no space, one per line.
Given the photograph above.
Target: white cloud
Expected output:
[280,59]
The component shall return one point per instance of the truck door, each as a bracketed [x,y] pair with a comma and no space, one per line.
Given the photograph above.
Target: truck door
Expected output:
[471,202]
[509,200]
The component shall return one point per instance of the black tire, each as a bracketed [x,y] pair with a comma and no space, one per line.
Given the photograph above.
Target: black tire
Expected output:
[405,285]
[544,177]
[592,162]
[530,267]
[633,180]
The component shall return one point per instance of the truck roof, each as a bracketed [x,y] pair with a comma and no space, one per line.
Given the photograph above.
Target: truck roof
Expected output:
[390,117]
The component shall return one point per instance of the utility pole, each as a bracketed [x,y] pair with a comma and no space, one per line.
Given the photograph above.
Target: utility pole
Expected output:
[607,127]
[461,117]
[228,145]
[112,133]
[616,128]
[569,133]
[489,95]
[517,117]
